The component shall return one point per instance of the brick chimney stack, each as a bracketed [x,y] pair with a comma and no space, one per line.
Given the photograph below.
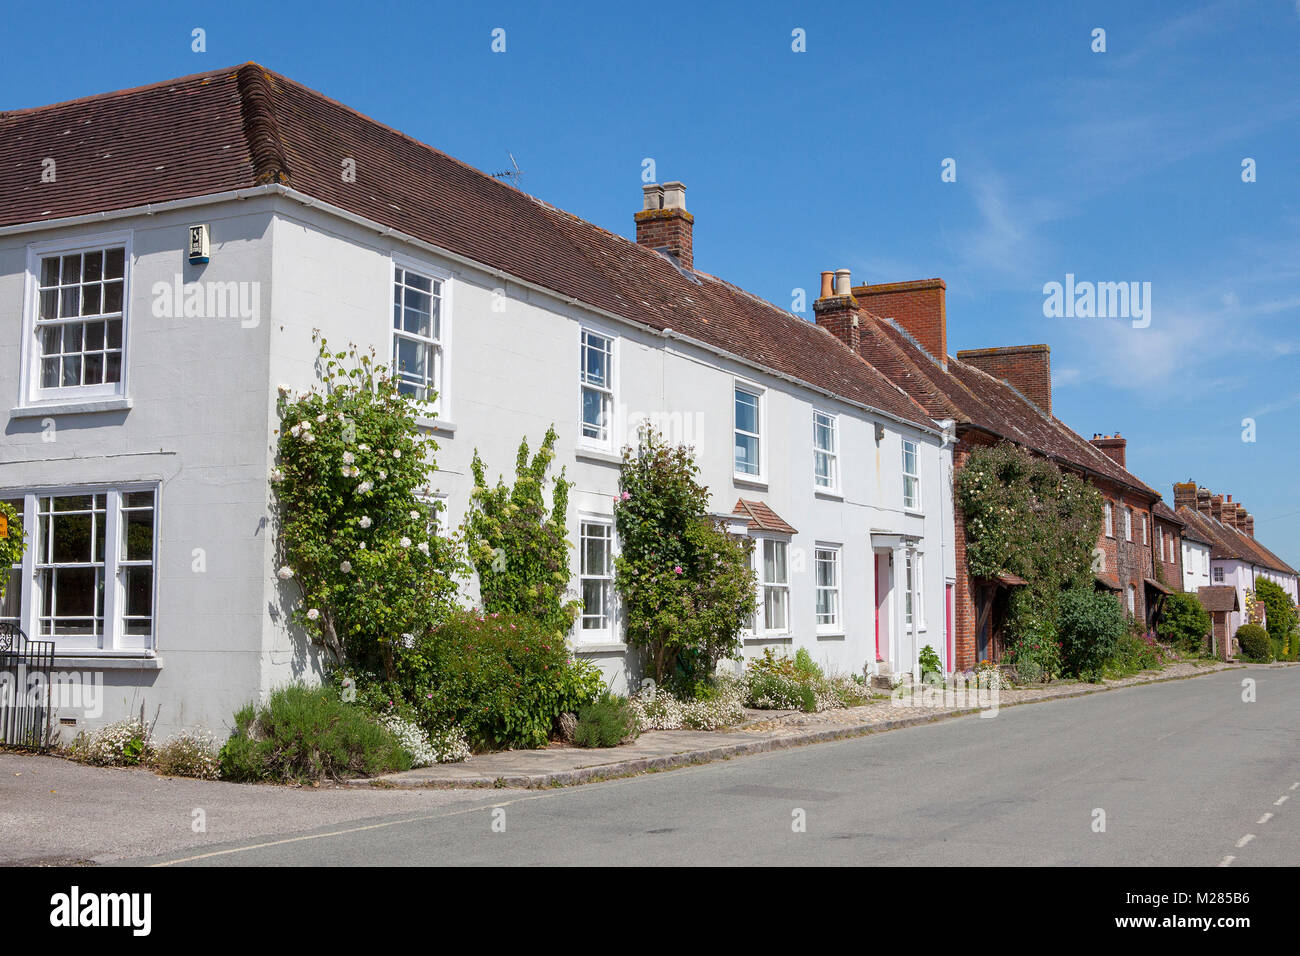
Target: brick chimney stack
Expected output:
[919,307]
[1115,447]
[1229,510]
[1185,495]
[836,308]
[1250,525]
[665,224]
[1027,367]
[1203,501]
[1216,507]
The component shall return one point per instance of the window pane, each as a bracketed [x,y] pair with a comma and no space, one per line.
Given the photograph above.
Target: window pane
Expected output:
[50,373]
[747,454]
[90,300]
[50,304]
[774,615]
[71,269]
[413,358]
[71,371]
[774,568]
[746,412]
[138,586]
[593,414]
[94,267]
[112,297]
[115,334]
[94,369]
[50,271]
[113,261]
[137,535]
[70,302]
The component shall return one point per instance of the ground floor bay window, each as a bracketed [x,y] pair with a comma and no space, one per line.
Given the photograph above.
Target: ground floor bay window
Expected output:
[87,579]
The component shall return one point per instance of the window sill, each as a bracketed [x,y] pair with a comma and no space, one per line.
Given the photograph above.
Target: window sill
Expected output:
[614,647]
[603,456]
[106,662]
[71,408]
[831,635]
[828,493]
[435,425]
[912,512]
[750,481]
[763,638]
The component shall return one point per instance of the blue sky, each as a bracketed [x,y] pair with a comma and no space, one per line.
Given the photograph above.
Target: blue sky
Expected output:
[1115,166]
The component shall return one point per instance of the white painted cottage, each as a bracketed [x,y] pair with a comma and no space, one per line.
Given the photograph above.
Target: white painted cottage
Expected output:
[139,361]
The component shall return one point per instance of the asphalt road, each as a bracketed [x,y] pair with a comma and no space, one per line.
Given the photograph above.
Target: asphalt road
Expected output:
[1186,773]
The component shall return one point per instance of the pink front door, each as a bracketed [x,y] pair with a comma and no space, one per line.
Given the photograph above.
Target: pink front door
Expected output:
[877,591]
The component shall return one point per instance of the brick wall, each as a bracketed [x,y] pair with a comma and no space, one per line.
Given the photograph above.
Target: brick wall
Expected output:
[919,307]
[669,229]
[1172,570]
[1027,367]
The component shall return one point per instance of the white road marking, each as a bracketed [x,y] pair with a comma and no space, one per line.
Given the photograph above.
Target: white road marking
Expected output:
[1226,860]
[1265,818]
[1244,840]
[1281,800]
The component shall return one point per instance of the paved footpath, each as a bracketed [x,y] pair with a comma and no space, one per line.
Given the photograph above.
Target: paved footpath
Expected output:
[1185,772]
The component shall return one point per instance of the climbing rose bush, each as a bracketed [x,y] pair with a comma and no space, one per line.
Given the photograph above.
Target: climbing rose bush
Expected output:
[12,541]
[356,534]
[686,585]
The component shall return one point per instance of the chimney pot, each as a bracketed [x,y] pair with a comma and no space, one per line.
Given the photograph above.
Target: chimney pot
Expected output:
[654,196]
[843,282]
[828,284]
[674,196]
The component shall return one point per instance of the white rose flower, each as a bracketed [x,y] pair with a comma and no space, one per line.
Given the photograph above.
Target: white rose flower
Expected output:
[405,542]
[383,475]
[283,389]
[397,453]
[285,573]
[364,487]
[308,437]
[346,567]
[320,417]
[277,474]
[424,546]
[348,458]
[295,431]
[363,546]
[313,614]
[306,425]
[408,641]
[365,521]
[364,447]
[415,516]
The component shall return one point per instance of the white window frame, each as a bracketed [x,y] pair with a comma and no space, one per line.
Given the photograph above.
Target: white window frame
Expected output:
[914,505]
[442,378]
[610,390]
[1110,519]
[759,393]
[1132,599]
[1145,539]
[1217,575]
[114,640]
[914,564]
[832,454]
[436,503]
[605,633]
[835,623]
[1128,523]
[764,586]
[32,395]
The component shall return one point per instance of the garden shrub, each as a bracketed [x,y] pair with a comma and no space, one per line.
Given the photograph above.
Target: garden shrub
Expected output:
[12,542]
[1184,622]
[1091,623]
[606,722]
[124,743]
[776,682]
[307,734]
[1038,654]
[929,662]
[503,678]
[518,545]
[1280,619]
[1255,643]
[355,523]
[1134,653]
[686,585]
[188,754]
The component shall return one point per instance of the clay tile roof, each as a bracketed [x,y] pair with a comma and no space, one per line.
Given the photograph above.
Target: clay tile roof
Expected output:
[1108,581]
[1166,514]
[247,126]
[1218,597]
[972,397]
[1229,544]
[762,518]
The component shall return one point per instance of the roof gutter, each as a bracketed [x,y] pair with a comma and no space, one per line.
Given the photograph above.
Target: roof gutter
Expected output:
[148,209]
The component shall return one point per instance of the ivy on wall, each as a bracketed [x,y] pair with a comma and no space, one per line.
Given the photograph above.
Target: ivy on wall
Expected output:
[1026,517]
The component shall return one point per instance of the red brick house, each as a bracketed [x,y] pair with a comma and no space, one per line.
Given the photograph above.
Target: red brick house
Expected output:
[994,395]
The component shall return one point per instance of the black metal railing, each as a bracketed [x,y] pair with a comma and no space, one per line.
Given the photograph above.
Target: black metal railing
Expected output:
[26,711]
